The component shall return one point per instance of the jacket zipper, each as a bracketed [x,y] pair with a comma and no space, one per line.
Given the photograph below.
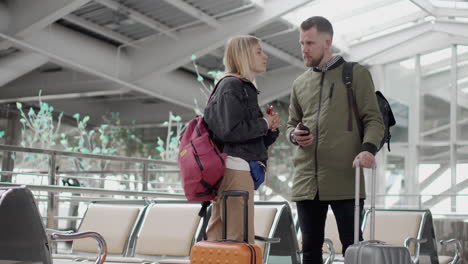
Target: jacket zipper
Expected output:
[330,95]
[317,125]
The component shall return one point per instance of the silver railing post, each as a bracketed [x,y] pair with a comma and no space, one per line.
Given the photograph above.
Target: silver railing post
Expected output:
[145,176]
[52,205]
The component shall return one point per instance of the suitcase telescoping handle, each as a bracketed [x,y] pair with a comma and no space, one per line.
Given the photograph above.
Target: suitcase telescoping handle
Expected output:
[357,211]
[245,195]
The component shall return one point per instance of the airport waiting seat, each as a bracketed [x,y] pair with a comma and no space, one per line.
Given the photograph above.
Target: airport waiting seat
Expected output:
[274,221]
[392,226]
[410,228]
[116,221]
[396,226]
[265,218]
[166,235]
[23,238]
[458,252]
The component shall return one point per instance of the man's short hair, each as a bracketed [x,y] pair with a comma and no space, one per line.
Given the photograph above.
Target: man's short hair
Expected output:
[320,23]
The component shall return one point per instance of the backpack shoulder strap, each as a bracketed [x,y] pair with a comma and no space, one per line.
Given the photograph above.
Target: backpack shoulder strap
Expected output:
[347,76]
[218,82]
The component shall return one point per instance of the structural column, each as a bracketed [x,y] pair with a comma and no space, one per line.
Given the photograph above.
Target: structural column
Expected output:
[453,126]
[414,134]
[378,76]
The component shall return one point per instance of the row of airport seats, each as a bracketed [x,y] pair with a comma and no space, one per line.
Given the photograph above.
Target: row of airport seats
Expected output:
[411,228]
[163,231]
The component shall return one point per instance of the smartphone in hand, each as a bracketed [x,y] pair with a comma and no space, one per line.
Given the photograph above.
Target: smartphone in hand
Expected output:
[301,126]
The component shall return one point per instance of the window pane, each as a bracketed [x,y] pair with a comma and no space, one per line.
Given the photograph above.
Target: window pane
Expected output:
[435,177]
[435,83]
[395,180]
[400,80]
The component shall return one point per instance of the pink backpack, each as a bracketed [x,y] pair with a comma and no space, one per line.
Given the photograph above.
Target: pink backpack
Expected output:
[201,163]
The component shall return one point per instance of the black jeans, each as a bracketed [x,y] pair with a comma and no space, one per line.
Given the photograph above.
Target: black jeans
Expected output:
[312,215]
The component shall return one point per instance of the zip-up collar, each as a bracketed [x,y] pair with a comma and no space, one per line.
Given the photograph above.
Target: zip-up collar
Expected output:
[330,65]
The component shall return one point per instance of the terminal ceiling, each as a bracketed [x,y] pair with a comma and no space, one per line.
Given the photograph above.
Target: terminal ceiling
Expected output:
[134,56]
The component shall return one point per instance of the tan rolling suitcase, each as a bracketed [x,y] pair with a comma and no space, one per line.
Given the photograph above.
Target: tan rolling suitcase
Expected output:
[227,251]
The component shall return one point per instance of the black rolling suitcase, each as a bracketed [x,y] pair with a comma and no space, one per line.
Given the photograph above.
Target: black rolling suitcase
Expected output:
[372,251]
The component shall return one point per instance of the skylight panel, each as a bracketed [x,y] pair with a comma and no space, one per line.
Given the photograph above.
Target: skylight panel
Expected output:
[450,4]
[354,16]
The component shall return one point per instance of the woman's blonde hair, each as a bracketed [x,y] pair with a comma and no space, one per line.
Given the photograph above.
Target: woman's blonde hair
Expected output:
[238,54]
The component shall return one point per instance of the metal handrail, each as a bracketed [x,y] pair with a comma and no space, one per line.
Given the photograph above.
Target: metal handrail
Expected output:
[458,249]
[97,191]
[65,236]
[417,244]
[83,155]
[330,247]
[41,173]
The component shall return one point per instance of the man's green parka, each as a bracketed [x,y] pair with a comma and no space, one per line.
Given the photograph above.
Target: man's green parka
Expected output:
[319,100]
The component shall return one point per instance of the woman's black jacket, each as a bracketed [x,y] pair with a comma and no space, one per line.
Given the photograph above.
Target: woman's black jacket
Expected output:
[236,121]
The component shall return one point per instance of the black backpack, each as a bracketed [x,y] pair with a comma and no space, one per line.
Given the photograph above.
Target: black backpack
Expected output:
[385,109]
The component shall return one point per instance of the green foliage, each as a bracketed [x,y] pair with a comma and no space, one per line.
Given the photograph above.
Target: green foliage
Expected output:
[40,124]
[205,89]
[108,138]
[39,130]
[169,149]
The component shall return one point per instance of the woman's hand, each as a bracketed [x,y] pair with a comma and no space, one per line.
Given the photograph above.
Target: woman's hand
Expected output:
[274,121]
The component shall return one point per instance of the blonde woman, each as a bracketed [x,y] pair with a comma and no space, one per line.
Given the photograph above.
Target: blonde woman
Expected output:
[241,130]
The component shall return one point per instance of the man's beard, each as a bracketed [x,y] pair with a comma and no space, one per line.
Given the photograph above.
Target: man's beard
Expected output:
[315,61]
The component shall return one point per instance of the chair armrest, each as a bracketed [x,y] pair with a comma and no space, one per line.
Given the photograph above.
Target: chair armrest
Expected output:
[329,244]
[268,240]
[69,236]
[417,244]
[458,249]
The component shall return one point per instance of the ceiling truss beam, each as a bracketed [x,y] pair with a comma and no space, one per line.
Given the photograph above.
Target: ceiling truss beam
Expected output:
[426,6]
[31,16]
[138,17]
[170,55]
[99,29]
[194,12]
[283,56]
[63,96]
